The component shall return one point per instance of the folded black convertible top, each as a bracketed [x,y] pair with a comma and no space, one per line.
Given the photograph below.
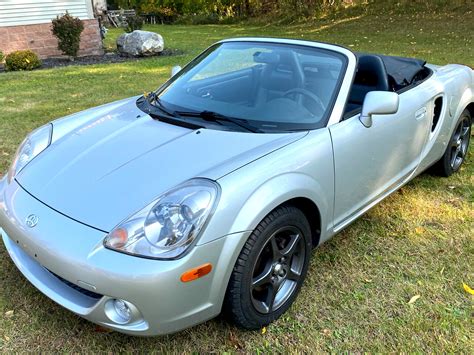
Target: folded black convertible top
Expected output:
[401,69]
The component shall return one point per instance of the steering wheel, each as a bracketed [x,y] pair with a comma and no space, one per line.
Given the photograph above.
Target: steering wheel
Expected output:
[308,94]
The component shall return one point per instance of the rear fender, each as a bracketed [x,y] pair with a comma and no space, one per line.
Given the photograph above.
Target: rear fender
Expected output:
[466,99]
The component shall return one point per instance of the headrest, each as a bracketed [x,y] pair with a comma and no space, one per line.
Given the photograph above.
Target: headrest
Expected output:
[371,72]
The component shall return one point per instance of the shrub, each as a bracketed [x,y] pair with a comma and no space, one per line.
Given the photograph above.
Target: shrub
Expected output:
[67,29]
[166,15]
[133,23]
[22,60]
[2,56]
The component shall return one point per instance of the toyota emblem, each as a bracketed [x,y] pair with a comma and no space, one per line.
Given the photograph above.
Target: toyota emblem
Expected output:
[32,220]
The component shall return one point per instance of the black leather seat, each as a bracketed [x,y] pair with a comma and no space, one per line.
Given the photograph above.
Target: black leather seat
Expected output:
[371,76]
[279,77]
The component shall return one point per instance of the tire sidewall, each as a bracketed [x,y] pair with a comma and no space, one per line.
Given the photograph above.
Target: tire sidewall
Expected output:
[447,168]
[295,218]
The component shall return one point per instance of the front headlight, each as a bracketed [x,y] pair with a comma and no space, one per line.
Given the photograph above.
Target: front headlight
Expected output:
[32,145]
[167,227]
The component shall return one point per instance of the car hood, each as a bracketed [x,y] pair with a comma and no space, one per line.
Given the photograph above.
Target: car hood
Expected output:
[106,163]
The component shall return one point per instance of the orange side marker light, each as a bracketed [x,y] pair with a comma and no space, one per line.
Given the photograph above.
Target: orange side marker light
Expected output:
[118,238]
[196,273]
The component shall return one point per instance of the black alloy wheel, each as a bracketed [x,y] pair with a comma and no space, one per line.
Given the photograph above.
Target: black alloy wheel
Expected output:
[457,148]
[460,142]
[270,269]
[277,270]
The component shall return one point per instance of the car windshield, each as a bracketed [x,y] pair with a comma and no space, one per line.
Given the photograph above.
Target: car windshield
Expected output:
[271,87]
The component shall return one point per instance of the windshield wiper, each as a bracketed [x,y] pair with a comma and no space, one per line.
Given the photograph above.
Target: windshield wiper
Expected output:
[161,113]
[153,99]
[217,117]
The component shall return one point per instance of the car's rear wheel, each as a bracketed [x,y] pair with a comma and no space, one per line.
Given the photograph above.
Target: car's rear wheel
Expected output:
[270,269]
[457,148]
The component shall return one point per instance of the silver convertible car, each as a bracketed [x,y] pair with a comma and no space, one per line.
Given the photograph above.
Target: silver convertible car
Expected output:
[156,213]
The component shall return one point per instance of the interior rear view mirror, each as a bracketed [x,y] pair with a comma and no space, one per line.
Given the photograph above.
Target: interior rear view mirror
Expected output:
[266,57]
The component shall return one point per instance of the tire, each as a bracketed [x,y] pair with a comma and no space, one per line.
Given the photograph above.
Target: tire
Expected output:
[269,272]
[457,148]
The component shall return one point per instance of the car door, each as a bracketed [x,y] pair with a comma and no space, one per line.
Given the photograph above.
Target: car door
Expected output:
[372,161]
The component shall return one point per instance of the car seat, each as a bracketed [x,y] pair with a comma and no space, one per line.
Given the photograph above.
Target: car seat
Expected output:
[371,76]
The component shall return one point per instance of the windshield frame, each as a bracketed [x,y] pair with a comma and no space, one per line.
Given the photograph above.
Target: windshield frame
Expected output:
[307,45]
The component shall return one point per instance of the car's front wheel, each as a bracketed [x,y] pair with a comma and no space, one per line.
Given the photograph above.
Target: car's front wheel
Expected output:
[270,269]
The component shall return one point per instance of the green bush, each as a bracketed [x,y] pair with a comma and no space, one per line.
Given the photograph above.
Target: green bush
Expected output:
[22,60]
[67,29]
[2,56]
[133,23]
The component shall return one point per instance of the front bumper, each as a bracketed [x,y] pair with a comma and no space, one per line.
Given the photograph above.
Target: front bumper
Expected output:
[66,261]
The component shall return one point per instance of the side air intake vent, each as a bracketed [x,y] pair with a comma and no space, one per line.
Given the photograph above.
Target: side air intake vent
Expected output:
[438,105]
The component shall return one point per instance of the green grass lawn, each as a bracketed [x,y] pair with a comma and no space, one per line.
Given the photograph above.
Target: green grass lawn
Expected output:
[417,242]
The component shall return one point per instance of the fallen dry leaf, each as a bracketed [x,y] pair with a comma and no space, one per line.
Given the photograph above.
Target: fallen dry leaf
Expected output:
[413,299]
[9,314]
[264,330]
[419,230]
[467,288]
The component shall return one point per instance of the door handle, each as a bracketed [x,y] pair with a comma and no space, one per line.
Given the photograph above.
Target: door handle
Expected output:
[420,114]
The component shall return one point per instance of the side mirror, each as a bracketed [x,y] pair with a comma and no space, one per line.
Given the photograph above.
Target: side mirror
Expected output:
[175,70]
[378,103]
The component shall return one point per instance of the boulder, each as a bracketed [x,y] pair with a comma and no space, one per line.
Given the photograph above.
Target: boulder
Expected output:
[140,43]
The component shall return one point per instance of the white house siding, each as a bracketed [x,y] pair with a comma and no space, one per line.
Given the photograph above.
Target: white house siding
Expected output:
[28,12]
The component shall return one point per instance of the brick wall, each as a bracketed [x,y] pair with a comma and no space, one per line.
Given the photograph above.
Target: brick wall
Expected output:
[40,40]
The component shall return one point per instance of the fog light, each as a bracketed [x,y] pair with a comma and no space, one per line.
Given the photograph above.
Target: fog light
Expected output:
[123,310]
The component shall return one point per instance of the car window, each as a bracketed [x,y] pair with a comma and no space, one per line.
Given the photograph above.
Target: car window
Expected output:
[275,87]
[230,60]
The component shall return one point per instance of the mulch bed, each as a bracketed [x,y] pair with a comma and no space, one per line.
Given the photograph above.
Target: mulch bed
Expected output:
[107,58]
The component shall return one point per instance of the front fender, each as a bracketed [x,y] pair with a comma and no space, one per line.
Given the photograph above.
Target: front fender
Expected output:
[302,169]
[277,191]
